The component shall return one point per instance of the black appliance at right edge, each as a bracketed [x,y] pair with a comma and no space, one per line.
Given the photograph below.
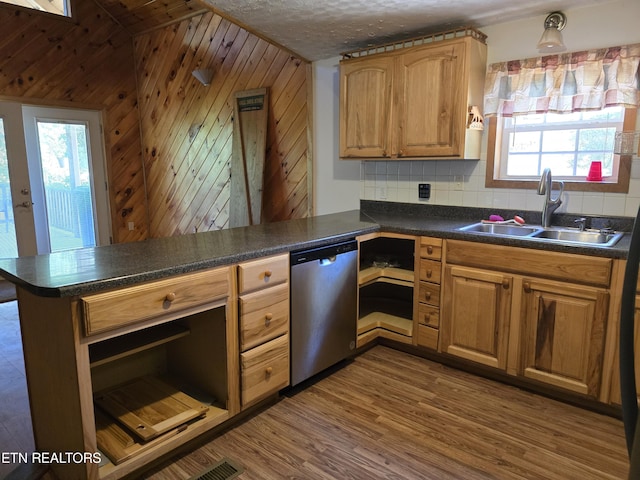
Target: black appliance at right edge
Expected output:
[627,354]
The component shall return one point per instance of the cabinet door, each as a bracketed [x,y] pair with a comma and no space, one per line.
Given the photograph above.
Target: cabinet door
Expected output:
[475,319]
[563,334]
[431,108]
[365,107]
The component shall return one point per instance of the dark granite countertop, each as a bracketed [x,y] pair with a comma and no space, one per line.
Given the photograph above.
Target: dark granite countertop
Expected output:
[86,270]
[82,271]
[444,222]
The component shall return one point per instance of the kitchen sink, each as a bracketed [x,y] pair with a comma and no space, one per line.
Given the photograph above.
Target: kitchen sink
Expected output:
[501,229]
[600,238]
[590,237]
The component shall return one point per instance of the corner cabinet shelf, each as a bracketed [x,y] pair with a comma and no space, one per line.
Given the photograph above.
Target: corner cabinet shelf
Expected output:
[386,281]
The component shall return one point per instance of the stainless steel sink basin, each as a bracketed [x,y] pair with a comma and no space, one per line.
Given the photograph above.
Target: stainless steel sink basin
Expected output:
[552,234]
[501,229]
[590,237]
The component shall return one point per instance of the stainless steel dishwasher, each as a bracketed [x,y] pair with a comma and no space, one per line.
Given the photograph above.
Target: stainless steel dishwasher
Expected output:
[324,293]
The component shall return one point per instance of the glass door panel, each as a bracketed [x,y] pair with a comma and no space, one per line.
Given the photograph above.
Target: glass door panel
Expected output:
[64,159]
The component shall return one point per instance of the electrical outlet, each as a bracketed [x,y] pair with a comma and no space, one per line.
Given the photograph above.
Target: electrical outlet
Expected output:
[424,190]
[458,182]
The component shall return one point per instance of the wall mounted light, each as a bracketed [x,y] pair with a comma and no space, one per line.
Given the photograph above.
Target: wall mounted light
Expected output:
[551,40]
[204,76]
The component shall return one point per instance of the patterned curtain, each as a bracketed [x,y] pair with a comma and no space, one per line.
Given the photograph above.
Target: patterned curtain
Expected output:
[562,83]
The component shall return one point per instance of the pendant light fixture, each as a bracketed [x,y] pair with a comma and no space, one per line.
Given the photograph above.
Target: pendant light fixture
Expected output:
[551,40]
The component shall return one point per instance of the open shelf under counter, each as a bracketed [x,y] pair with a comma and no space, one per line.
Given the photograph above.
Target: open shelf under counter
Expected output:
[132,343]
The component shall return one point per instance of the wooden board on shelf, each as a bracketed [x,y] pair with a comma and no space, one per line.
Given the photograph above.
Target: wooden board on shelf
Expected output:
[149,407]
[117,443]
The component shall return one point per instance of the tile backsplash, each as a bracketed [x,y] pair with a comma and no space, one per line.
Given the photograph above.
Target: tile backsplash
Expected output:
[461,183]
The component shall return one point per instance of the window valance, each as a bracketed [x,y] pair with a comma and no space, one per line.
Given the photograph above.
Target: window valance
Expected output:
[563,83]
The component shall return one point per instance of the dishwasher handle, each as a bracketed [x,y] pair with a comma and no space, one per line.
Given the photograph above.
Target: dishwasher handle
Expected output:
[326,254]
[327,261]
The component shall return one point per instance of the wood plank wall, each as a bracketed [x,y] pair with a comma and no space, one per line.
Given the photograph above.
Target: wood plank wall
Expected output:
[85,62]
[187,127]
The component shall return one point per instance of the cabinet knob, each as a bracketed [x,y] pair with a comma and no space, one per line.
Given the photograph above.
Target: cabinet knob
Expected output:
[267,273]
[505,283]
[429,273]
[427,295]
[267,318]
[268,371]
[170,297]
[427,317]
[527,287]
[429,249]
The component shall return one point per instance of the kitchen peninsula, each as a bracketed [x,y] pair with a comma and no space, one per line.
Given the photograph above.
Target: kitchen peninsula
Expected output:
[166,310]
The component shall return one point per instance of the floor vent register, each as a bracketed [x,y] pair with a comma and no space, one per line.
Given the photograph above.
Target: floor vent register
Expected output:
[223,470]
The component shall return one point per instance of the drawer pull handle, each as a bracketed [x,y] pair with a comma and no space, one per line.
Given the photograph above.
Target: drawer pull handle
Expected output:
[427,295]
[429,273]
[268,371]
[527,287]
[429,249]
[170,297]
[427,317]
[267,273]
[267,319]
[505,283]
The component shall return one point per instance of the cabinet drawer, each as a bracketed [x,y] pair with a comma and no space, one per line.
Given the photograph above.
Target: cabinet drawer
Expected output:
[263,315]
[263,272]
[427,337]
[429,293]
[114,309]
[431,248]
[430,271]
[428,315]
[265,369]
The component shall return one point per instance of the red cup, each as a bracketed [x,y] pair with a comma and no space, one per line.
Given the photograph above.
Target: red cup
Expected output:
[595,172]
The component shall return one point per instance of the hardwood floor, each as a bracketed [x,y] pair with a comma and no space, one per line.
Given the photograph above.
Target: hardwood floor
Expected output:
[390,415]
[385,415]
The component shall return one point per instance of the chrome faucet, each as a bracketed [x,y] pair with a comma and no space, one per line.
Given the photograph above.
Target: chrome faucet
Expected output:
[550,205]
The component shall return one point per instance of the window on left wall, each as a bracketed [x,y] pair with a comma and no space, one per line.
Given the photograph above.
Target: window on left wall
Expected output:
[56,7]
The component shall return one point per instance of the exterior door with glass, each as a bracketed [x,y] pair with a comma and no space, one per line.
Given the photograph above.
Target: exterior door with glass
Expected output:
[53,191]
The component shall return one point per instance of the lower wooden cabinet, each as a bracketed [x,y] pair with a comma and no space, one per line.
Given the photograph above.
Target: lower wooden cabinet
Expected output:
[563,333]
[428,293]
[551,330]
[476,315]
[263,327]
[265,369]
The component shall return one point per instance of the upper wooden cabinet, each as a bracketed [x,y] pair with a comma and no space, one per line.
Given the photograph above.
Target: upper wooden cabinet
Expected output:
[413,102]
[365,107]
